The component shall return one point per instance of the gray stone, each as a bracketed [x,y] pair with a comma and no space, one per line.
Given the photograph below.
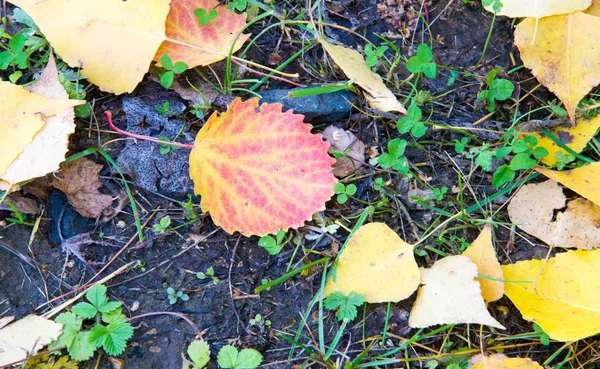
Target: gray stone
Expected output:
[329,107]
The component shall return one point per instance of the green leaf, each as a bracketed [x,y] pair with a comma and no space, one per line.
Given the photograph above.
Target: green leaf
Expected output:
[484,160]
[17,43]
[492,75]
[248,359]
[401,165]
[114,316]
[540,153]
[424,53]
[339,188]
[396,147]
[522,161]
[5,59]
[502,89]
[414,65]
[520,146]
[85,310]
[452,79]
[350,189]
[503,175]
[199,353]
[110,306]
[179,67]
[71,327]
[113,338]
[419,129]
[96,295]
[429,70]
[166,80]
[81,349]
[227,357]
[266,242]
[166,62]
[503,151]
[386,160]
[405,124]
[415,112]
[97,335]
[342,198]
[345,305]
[279,236]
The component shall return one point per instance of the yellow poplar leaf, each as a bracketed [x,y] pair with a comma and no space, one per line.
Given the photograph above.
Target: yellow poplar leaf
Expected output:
[482,253]
[49,146]
[259,170]
[576,138]
[502,362]
[539,8]
[450,295]
[353,64]
[22,115]
[561,295]
[561,57]
[532,209]
[378,264]
[583,180]
[26,336]
[114,41]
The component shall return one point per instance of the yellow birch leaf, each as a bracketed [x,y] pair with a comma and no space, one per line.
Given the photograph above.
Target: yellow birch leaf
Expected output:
[114,41]
[576,138]
[22,115]
[532,209]
[539,8]
[561,295]
[560,55]
[583,180]
[378,264]
[450,295]
[482,253]
[353,64]
[26,336]
[499,361]
[49,146]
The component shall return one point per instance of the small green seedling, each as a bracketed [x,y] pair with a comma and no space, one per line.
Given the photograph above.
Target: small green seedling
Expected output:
[141,265]
[175,295]
[198,112]
[162,224]
[373,55]
[170,70]
[229,358]
[562,159]
[164,110]
[379,184]
[495,4]
[544,337]
[239,5]
[453,76]
[205,17]
[15,54]
[439,193]
[199,353]
[210,273]
[459,146]
[188,206]
[527,155]
[412,122]
[258,320]
[272,245]
[344,192]
[498,89]
[345,306]
[422,62]
[395,157]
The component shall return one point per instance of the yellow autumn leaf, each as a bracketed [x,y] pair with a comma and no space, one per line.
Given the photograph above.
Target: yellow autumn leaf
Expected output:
[378,264]
[50,144]
[482,253]
[354,66]
[576,138]
[539,8]
[114,41]
[561,295]
[533,209]
[558,53]
[499,361]
[583,180]
[450,295]
[22,116]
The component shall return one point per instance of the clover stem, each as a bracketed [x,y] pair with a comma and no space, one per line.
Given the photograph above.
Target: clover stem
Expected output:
[108,115]
[234,61]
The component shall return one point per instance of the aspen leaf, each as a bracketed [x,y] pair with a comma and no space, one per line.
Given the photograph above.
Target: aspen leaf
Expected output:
[576,138]
[354,66]
[539,8]
[499,361]
[49,146]
[482,253]
[533,207]
[22,116]
[114,41]
[26,336]
[561,295]
[450,295]
[189,42]
[559,55]
[583,180]
[378,264]
[259,170]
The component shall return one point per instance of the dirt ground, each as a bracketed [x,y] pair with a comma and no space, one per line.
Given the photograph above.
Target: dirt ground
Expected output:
[222,310]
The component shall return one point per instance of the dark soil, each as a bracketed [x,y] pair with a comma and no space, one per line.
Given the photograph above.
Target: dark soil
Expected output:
[222,311]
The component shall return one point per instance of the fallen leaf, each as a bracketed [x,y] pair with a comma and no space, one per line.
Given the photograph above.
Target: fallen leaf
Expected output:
[583,180]
[114,41]
[450,295]
[499,361]
[189,42]
[49,146]
[345,142]
[378,264]
[353,64]
[561,295]
[24,205]
[80,182]
[533,207]
[539,8]
[576,138]
[22,116]
[26,336]
[259,170]
[559,55]
[482,253]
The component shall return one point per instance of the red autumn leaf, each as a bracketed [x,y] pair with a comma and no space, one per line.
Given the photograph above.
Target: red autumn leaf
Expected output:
[259,170]
[193,44]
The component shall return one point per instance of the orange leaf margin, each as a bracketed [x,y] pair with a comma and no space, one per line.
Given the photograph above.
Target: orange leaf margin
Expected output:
[193,44]
[259,170]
